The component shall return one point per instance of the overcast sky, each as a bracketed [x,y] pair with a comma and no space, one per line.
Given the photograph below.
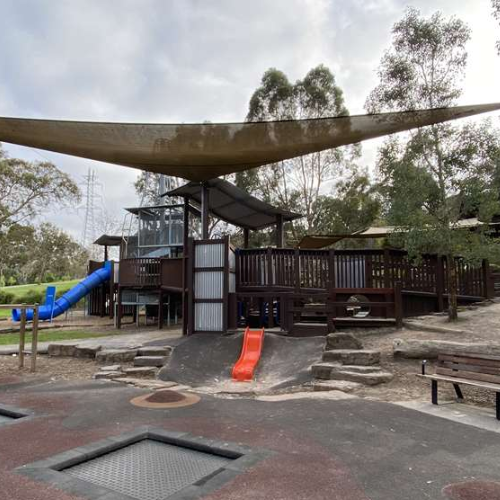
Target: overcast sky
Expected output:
[196,60]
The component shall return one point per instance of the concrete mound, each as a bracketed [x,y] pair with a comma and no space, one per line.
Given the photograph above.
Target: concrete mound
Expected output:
[207,360]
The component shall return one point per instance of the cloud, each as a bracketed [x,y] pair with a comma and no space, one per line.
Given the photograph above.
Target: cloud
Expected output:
[197,60]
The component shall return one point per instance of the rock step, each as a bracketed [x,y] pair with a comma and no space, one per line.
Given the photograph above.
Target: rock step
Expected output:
[335,385]
[154,351]
[352,356]
[140,371]
[156,361]
[111,375]
[374,378]
[361,374]
[342,341]
[116,355]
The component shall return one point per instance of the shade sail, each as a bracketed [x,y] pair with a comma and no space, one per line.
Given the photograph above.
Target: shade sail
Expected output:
[200,152]
[233,205]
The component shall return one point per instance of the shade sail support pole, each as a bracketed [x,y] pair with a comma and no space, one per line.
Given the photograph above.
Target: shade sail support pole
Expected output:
[205,201]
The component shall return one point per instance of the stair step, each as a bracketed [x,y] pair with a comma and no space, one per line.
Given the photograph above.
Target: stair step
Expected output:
[352,356]
[156,361]
[303,329]
[374,378]
[140,371]
[154,351]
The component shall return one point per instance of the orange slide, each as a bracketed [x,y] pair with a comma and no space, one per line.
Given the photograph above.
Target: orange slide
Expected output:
[250,354]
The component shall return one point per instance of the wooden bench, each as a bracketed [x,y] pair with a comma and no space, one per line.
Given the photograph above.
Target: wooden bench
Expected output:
[477,370]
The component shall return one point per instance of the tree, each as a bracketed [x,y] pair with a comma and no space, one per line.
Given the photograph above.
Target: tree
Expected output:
[26,188]
[496,14]
[435,176]
[299,184]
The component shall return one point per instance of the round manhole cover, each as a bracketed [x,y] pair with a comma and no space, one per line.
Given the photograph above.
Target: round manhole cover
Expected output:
[165,398]
[473,490]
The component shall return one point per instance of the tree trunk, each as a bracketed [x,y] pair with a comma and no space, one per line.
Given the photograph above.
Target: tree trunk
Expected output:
[452,289]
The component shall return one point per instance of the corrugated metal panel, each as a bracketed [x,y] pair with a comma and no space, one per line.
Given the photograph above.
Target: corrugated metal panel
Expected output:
[209,255]
[208,317]
[208,285]
[232,283]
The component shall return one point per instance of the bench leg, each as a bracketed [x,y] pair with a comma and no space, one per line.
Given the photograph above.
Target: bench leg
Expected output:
[498,405]
[458,392]
[434,391]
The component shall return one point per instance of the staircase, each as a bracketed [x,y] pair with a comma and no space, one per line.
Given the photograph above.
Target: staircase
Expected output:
[344,359]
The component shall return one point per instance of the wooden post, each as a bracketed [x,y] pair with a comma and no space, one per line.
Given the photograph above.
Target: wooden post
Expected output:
[487,279]
[439,283]
[112,291]
[205,202]
[387,277]
[185,263]
[297,270]
[280,235]
[22,337]
[34,339]
[246,237]
[119,308]
[398,305]
[160,310]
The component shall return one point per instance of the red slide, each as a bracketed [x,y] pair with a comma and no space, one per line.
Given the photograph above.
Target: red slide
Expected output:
[250,355]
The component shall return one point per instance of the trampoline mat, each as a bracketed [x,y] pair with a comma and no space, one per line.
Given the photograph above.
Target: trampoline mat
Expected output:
[149,469]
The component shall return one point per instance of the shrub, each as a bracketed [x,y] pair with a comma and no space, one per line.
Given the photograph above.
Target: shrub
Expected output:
[33,297]
[6,297]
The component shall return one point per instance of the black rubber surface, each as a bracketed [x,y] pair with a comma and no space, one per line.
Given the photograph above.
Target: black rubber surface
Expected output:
[205,359]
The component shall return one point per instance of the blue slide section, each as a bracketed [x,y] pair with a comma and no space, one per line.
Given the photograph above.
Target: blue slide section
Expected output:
[71,297]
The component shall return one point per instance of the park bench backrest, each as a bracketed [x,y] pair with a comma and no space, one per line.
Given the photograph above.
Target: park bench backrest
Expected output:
[478,367]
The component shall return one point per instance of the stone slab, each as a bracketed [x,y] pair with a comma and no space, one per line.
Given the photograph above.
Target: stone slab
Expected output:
[108,375]
[155,351]
[352,357]
[61,350]
[140,371]
[156,361]
[116,355]
[335,385]
[88,352]
[343,341]
[429,349]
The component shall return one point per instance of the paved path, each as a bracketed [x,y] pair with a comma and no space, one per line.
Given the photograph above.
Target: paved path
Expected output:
[322,449]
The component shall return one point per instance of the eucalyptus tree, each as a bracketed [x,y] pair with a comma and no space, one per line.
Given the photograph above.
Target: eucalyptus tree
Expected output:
[435,176]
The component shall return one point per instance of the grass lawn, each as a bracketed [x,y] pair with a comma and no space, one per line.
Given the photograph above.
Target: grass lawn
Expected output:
[5,313]
[20,291]
[52,335]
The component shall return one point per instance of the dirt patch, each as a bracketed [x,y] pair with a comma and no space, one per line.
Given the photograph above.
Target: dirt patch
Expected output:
[53,368]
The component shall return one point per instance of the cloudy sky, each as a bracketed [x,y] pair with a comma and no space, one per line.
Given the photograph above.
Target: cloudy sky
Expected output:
[195,60]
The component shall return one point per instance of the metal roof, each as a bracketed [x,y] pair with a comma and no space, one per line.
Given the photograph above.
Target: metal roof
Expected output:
[199,152]
[233,205]
[109,241]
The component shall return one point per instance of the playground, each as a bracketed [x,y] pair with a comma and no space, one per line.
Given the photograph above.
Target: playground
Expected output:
[200,368]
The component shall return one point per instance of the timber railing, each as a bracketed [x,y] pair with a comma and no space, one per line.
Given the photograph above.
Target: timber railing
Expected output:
[276,269]
[142,271]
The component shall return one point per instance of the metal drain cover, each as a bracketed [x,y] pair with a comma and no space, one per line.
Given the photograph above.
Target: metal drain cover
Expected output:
[148,469]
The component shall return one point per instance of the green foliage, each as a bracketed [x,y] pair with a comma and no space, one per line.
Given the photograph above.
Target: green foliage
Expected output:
[440,174]
[6,297]
[26,188]
[312,183]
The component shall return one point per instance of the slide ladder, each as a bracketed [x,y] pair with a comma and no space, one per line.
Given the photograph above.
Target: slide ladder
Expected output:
[52,308]
[251,351]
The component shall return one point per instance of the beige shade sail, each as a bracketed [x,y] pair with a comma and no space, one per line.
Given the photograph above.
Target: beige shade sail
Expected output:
[200,152]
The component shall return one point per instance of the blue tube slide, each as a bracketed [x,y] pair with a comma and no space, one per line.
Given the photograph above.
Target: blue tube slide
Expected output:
[70,298]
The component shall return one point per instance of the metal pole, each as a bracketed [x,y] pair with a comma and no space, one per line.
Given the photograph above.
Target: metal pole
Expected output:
[205,201]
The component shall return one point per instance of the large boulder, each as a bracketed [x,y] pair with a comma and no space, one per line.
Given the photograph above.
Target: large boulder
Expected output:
[61,350]
[429,349]
[342,341]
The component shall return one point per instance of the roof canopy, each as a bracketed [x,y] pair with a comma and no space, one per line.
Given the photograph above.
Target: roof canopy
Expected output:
[233,205]
[321,241]
[200,152]
[108,241]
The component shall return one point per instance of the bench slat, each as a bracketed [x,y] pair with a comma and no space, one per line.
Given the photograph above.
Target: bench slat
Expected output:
[482,358]
[457,380]
[470,368]
[484,377]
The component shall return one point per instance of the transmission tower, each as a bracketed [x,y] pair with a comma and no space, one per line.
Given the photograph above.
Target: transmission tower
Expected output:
[92,208]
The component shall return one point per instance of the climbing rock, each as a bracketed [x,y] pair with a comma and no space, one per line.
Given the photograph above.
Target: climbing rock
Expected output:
[342,341]
[107,375]
[154,351]
[111,368]
[62,349]
[352,357]
[323,370]
[374,378]
[87,352]
[335,385]
[156,361]
[429,349]
[116,355]
[140,371]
